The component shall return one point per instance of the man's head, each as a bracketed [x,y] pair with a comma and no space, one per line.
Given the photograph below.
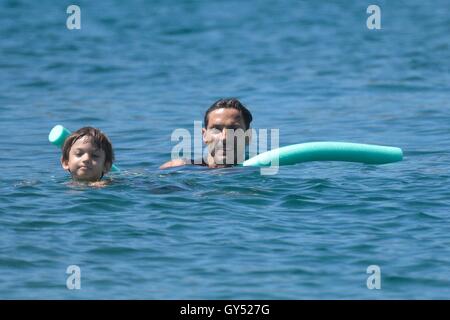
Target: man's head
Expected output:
[225,122]
[87,154]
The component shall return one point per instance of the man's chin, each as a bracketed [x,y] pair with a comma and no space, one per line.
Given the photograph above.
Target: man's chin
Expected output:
[221,161]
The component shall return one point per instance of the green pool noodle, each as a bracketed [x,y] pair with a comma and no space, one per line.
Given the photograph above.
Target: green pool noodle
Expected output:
[327,151]
[59,134]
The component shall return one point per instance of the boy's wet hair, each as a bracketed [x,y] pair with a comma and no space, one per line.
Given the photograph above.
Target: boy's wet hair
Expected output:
[99,139]
[230,103]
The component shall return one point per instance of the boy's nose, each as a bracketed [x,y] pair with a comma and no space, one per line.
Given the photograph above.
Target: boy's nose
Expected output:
[86,157]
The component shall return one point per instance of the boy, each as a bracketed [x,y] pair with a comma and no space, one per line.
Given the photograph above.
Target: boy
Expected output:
[87,154]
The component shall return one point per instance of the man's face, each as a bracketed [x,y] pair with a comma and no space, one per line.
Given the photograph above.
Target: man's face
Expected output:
[221,123]
[86,162]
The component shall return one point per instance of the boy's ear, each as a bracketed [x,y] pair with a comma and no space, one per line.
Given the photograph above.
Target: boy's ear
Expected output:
[107,167]
[64,164]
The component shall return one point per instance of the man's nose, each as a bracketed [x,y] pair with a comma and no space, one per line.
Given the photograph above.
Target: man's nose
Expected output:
[223,134]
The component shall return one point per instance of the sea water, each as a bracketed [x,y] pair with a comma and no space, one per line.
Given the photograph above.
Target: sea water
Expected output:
[141,69]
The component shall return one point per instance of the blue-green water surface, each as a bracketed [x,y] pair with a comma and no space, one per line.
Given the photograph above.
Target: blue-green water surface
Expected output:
[140,69]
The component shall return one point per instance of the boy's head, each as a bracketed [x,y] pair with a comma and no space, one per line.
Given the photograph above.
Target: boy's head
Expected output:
[87,154]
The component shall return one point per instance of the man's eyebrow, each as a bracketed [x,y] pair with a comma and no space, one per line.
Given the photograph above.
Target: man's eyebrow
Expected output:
[234,124]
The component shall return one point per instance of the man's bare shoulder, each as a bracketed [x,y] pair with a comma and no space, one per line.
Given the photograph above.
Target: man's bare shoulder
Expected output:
[174,163]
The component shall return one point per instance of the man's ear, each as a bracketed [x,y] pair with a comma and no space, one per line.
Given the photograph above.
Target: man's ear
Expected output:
[204,135]
[107,167]
[64,164]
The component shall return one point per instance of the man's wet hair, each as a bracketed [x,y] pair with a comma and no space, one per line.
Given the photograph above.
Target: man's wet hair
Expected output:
[99,139]
[230,103]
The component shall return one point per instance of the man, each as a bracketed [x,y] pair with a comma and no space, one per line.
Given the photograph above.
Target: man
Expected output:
[225,133]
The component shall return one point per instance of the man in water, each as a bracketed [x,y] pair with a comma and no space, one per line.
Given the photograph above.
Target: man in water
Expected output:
[225,133]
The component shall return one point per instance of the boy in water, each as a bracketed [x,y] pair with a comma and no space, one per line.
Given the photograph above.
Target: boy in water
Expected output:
[87,154]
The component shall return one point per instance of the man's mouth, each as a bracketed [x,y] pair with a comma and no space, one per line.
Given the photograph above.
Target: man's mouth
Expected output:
[225,149]
[220,152]
[224,156]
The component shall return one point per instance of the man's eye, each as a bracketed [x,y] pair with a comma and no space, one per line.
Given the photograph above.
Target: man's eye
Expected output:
[95,156]
[78,154]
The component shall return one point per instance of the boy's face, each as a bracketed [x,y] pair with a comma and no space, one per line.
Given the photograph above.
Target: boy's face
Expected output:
[220,121]
[86,162]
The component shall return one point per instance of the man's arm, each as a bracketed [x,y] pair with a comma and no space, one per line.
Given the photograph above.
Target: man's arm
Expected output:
[174,163]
